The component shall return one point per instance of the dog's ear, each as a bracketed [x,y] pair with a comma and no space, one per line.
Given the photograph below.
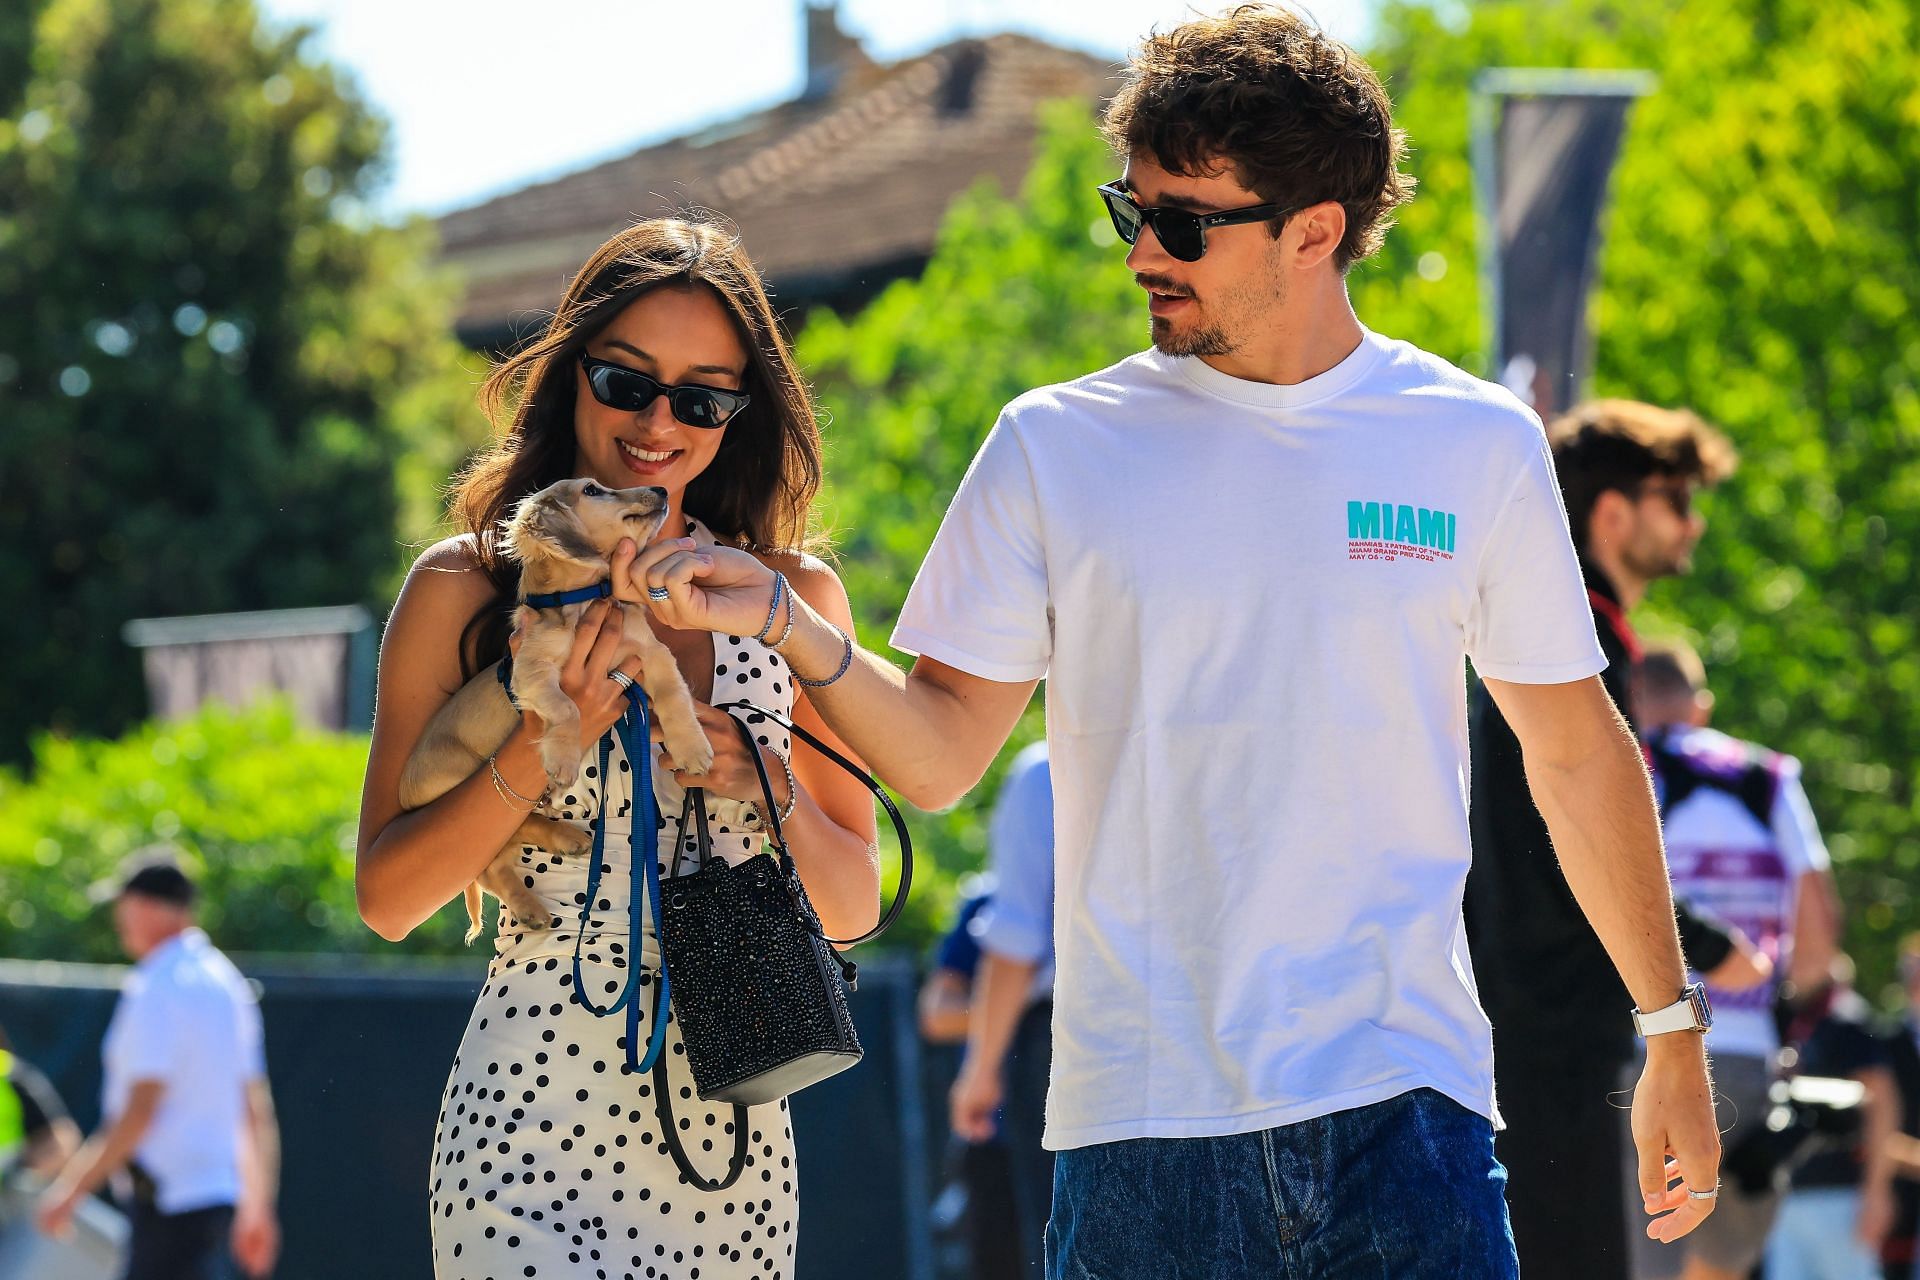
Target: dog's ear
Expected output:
[544,527]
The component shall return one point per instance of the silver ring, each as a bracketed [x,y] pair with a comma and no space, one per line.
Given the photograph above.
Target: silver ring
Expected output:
[1705,1195]
[659,593]
[621,678]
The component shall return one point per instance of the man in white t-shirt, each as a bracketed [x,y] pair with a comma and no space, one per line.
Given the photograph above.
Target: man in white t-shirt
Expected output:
[1251,563]
[1742,845]
[184,1099]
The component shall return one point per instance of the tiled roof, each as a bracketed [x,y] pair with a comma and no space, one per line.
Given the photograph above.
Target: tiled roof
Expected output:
[822,191]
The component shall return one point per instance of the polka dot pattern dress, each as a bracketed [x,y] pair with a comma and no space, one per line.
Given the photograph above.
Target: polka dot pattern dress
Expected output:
[547,1157]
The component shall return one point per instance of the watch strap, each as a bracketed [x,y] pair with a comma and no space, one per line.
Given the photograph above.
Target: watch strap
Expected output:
[1690,1012]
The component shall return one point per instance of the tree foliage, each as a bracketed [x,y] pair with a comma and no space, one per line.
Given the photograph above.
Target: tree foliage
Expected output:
[1020,292]
[228,374]
[1759,267]
[264,809]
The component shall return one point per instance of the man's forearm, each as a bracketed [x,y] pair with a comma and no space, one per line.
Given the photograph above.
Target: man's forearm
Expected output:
[926,740]
[104,1154]
[1881,1126]
[264,1129]
[1600,812]
[1000,992]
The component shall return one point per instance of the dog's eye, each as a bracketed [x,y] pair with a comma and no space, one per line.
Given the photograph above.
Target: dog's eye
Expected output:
[593,491]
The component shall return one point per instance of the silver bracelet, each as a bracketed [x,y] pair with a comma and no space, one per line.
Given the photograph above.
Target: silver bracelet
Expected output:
[505,788]
[846,660]
[773,610]
[793,790]
[788,629]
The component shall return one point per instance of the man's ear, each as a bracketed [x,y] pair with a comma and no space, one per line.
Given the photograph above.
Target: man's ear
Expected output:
[1320,228]
[1610,517]
[546,528]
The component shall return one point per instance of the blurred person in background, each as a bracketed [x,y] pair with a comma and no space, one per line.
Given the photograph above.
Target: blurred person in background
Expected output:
[977,1202]
[187,1114]
[1899,1254]
[1839,1204]
[1742,845]
[1562,1037]
[36,1133]
[1002,1085]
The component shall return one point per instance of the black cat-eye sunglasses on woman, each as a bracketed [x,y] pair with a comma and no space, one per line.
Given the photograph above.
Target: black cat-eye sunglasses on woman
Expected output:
[631,391]
[1181,233]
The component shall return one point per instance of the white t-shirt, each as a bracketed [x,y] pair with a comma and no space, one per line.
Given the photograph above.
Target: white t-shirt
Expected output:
[1251,603]
[1017,921]
[189,1020]
[1722,859]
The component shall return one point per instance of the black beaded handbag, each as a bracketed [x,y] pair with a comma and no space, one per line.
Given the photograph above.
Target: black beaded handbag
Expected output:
[759,990]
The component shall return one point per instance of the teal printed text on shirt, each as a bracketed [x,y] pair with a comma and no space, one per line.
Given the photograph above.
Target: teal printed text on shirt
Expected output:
[1398,530]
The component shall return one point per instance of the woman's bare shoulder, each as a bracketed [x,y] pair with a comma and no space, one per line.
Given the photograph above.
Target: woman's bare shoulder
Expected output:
[443,590]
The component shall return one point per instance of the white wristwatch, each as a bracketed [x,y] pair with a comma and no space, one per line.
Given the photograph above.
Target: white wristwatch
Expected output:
[1690,1012]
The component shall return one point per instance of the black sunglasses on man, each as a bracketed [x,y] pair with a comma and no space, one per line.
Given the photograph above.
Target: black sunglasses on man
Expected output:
[1182,233]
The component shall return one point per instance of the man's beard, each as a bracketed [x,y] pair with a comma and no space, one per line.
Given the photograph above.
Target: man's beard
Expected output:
[1652,564]
[1202,340]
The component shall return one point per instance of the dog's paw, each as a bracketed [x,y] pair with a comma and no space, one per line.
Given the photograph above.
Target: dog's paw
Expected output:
[533,916]
[560,760]
[569,837]
[691,753]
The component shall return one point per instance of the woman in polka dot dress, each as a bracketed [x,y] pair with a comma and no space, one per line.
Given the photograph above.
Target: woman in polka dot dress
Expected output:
[548,1159]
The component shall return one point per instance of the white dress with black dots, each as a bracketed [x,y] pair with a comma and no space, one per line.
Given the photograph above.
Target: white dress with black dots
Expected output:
[547,1160]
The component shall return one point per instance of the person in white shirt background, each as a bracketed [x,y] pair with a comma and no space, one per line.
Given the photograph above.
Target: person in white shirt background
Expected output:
[1743,846]
[186,1110]
[1251,563]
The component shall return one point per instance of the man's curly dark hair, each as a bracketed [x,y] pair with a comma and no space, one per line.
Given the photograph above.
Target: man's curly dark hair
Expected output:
[1296,117]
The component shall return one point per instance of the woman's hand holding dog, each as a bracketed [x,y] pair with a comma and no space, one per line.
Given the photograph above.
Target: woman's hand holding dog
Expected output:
[585,677]
[731,774]
[716,588]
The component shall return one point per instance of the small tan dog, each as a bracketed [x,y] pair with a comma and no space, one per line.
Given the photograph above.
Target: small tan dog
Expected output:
[563,537]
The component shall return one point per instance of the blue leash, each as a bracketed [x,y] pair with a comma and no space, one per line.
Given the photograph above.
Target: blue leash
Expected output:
[643,881]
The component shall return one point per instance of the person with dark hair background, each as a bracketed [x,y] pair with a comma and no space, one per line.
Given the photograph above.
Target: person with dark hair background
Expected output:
[187,1115]
[1562,1040]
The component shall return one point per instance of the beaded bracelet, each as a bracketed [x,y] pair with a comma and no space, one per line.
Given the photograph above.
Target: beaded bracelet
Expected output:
[846,660]
[773,610]
[793,791]
[785,631]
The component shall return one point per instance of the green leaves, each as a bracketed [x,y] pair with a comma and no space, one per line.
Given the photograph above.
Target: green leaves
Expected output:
[265,809]
[226,373]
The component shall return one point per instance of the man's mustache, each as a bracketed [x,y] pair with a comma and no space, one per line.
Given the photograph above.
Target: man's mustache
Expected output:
[1160,284]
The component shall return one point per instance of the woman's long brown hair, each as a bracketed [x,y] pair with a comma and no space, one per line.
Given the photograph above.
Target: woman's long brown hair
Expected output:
[758,492]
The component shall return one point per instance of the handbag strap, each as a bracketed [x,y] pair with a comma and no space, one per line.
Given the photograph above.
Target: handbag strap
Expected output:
[694,805]
[643,884]
[773,810]
[670,1134]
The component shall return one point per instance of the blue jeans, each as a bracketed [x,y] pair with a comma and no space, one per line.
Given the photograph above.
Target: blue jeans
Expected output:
[1406,1189]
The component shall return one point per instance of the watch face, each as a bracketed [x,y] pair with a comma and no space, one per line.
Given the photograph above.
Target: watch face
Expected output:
[1702,1010]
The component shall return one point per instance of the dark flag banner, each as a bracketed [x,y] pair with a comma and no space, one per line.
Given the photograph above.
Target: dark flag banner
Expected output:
[1544,147]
